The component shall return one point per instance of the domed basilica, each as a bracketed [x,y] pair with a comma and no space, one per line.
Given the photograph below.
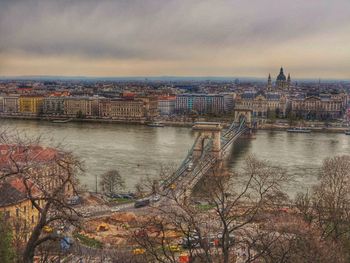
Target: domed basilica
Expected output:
[281,83]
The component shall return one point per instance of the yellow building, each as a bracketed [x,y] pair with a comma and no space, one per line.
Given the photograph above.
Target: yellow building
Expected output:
[30,104]
[46,168]
[17,208]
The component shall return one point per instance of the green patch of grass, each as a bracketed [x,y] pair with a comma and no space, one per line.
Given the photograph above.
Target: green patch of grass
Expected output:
[204,207]
[88,241]
[122,200]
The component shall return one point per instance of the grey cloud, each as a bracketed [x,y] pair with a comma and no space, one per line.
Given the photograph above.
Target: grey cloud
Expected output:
[159,29]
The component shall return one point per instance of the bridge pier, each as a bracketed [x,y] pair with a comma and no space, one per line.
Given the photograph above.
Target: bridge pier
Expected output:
[243,114]
[208,139]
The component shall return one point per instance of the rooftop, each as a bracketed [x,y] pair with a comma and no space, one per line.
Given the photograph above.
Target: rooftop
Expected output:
[9,154]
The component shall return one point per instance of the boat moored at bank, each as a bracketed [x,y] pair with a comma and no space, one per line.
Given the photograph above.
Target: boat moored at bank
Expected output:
[299,130]
[155,124]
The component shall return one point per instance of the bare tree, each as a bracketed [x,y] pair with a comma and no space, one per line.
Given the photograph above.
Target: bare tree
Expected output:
[111,182]
[287,238]
[151,184]
[235,202]
[52,204]
[328,205]
[48,177]
[152,236]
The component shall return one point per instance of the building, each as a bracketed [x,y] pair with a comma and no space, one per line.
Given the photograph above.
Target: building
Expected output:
[262,104]
[43,165]
[282,82]
[269,83]
[129,109]
[17,207]
[319,106]
[53,105]
[122,109]
[81,107]
[10,104]
[150,105]
[30,104]
[229,102]
[166,105]
[1,104]
[204,103]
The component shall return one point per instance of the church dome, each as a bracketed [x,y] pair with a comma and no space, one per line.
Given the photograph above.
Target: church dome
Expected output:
[281,76]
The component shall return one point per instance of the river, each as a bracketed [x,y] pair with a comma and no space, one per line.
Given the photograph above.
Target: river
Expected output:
[137,151]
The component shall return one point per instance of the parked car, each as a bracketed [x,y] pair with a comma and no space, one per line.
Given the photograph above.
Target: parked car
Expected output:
[138,251]
[114,195]
[86,214]
[156,198]
[126,196]
[115,209]
[142,203]
[190,242]
[74,200]
[190,166]
[122,196]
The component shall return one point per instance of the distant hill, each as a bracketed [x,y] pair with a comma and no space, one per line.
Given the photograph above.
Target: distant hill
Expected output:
[163,78]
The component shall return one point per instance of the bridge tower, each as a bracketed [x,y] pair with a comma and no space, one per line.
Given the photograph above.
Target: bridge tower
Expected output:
[207,132]
[243,113]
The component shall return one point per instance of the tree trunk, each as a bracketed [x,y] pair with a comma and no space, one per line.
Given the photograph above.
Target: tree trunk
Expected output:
[29,251]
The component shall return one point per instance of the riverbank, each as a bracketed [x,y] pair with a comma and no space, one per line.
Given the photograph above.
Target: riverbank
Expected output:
[313,129]
[188,124]
[95,120]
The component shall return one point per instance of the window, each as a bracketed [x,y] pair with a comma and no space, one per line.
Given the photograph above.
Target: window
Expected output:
[7,214]
[33,219]
[25,209]
[17,212]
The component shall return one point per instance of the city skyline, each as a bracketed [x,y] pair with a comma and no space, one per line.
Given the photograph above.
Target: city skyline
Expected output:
[175,38]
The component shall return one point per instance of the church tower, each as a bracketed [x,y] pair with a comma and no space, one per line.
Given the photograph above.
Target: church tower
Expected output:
[269,83]
[288,81]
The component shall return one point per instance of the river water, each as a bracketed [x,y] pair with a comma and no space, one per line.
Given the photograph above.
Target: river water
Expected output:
[137,151]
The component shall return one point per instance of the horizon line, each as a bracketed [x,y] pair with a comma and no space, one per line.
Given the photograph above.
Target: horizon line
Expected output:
[162,76]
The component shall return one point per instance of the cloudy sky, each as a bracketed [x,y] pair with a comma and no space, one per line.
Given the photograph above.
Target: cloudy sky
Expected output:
[310,38]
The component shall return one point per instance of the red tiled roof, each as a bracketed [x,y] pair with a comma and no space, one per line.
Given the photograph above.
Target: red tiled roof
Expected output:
[18,153]
[18,184]
[13,190]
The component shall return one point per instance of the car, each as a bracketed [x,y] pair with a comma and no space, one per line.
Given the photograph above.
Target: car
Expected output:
[156,198]
[190,242]
[115,209]
[142,203]
[190,166]
[112,195]
[74,200]
[86,214]
[174,248]
[121,196]
[138,251]
[126,196]
[47,229]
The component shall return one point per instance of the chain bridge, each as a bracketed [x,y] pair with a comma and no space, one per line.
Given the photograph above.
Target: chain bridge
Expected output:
[207,152]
